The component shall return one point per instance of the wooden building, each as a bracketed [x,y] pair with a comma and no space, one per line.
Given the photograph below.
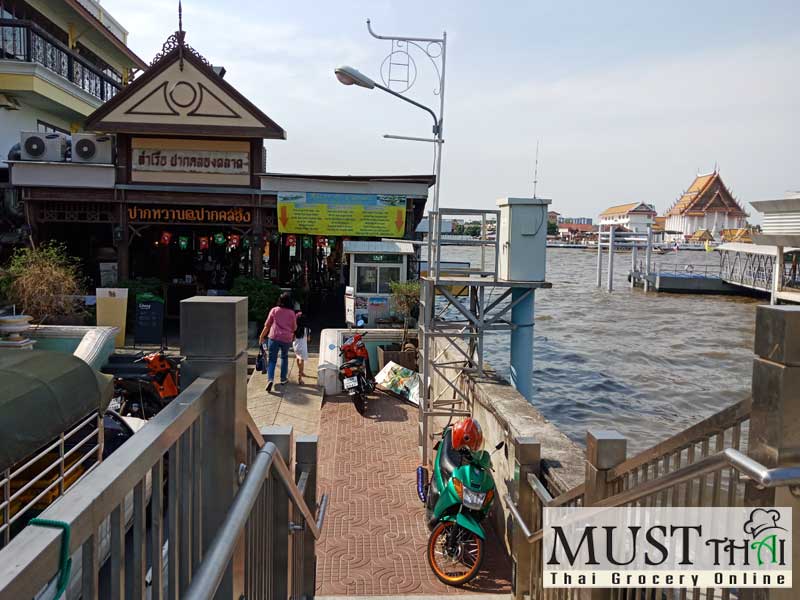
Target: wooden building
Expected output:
[186,198]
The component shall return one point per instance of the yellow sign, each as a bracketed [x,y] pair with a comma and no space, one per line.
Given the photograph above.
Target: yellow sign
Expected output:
[368,215]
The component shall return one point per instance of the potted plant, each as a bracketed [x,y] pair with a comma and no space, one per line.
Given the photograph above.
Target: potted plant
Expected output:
[405,302]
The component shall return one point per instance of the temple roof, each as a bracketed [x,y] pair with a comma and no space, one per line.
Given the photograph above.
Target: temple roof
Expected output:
[623,209]
[707,194]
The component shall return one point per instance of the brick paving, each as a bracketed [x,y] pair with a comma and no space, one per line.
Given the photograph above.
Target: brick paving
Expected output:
[374,539]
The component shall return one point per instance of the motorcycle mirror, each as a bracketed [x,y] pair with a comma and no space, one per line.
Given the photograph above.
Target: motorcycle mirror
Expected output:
[331,346]
[499,446]
[360,323]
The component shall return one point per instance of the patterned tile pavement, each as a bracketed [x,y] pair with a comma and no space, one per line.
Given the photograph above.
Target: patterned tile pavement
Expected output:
[375,536]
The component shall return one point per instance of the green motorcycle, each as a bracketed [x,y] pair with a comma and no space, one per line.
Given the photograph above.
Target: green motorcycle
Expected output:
[457,499]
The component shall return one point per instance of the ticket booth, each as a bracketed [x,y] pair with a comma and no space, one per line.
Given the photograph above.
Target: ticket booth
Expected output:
[373,265]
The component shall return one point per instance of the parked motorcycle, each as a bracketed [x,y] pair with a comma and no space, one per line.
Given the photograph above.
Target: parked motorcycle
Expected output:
[355,373]
[457,499]
[140,393]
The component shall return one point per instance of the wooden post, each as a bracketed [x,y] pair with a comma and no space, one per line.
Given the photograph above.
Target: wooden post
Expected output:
[774,438]
[123,244]
[527,459]
[777,276]
[604,451]
[599,256]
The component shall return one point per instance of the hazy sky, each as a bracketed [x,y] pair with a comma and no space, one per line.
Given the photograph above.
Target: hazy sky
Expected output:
[629,100]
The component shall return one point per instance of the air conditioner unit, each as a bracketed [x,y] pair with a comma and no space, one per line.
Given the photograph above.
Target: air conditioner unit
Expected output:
[49,147]
[92,148]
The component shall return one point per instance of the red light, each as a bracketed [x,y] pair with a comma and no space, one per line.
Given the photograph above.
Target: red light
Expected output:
[348,372]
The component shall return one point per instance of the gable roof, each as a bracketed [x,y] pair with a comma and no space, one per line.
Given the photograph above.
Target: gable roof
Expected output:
[623,209]
[707,193]
[582,227]
[182,94]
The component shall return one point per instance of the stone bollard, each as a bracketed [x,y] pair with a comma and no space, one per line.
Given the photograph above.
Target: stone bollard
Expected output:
[527,459]
[604,451]
[774,438]
[214,341]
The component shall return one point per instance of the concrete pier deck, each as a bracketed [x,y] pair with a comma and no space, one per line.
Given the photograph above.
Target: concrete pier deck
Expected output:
[374,540]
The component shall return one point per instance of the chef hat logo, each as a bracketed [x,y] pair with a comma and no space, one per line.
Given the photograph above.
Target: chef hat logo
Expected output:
[762,520]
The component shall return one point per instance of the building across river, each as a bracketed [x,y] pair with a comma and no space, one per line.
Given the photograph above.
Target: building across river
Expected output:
[171,183]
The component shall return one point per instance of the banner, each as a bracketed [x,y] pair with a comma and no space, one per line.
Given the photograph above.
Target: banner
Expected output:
[334,214]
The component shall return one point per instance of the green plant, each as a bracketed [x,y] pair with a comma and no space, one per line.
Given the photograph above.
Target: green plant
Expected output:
[262,295]
[405,302]
[43,282]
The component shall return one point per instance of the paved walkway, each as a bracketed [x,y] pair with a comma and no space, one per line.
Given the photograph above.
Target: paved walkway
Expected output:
[374,539]
[291,404]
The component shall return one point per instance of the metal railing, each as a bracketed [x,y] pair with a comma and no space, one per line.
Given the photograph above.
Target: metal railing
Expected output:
[689,270]
[253,511]
[24,40]
[47,474]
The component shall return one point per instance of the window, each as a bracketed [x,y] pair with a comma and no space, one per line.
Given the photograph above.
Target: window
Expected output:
[44,127]
[386,275]
[366,280]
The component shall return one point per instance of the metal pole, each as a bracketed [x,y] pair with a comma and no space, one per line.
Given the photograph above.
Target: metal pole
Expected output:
[599,257]
[522,341]
[440,132]
[610,282]
[633,265]
[777,276]
[648,257]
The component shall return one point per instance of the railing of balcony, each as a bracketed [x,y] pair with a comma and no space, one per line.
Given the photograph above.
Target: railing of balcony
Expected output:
[26,41]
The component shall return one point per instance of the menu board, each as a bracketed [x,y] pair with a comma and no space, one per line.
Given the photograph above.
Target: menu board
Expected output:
[149,324]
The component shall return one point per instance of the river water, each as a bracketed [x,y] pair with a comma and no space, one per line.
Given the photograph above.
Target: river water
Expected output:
[647,365]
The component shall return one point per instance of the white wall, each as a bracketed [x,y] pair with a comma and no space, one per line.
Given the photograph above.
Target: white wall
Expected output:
[24,119]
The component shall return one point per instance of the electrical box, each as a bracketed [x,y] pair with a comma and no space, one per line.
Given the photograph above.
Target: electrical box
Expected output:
[522,233]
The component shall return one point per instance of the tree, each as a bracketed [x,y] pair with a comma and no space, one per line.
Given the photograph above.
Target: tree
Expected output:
[552,228]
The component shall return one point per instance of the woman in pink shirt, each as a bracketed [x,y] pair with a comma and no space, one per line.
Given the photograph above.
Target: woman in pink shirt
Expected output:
[279,329]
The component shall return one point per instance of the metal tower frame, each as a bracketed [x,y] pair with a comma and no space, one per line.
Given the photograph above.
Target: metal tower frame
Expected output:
[460,325]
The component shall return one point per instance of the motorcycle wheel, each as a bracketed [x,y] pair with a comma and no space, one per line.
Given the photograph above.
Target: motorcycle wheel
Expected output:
[360,402]
[454,554]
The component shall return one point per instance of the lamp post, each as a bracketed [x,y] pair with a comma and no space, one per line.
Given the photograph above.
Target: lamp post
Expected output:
[350,76]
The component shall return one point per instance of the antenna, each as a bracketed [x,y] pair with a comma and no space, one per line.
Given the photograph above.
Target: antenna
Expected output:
[536,170]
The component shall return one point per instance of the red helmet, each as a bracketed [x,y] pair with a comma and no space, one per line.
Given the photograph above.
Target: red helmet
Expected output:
[467,434]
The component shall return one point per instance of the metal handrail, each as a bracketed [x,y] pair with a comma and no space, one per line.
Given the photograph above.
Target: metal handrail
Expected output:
[209,575]
[36,551]
[760,475]
[713,425]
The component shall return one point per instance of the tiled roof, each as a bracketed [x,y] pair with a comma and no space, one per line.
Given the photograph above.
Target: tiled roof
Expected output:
[696,201]
[620,209]
[576,227]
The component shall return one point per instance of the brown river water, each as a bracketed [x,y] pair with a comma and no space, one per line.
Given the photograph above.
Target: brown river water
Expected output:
[647,365]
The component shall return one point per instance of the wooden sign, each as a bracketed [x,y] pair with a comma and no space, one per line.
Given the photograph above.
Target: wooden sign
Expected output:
[191,161]
[201,214]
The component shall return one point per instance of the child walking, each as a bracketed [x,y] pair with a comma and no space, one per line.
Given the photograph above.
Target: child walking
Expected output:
[302,335]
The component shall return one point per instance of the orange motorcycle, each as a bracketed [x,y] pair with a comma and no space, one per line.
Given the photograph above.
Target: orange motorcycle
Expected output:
[143,392]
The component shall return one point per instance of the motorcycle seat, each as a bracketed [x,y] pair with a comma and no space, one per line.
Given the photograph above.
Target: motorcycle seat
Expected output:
[450,458]
[354,362]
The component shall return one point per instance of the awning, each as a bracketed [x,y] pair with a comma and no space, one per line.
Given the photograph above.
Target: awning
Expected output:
[44,394]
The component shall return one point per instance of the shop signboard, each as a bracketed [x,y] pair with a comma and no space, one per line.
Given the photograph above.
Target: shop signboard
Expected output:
[190,161]
[333,214]
[189,215]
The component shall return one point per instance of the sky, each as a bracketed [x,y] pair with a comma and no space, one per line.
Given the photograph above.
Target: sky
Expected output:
[628,101]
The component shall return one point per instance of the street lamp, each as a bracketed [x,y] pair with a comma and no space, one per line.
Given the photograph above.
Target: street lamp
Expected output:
[350,76]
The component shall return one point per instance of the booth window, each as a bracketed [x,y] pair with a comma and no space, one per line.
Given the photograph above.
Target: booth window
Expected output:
[366,280]
[387,275]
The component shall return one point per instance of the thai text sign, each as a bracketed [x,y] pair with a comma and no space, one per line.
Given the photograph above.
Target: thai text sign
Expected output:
[341,214]
[191,161]
[155,214]
[667,547]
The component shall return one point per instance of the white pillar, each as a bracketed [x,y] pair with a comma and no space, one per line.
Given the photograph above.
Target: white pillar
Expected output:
[777,276]
[610,282]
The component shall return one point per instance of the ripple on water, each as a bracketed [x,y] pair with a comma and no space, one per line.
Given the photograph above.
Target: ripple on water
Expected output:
[647,365]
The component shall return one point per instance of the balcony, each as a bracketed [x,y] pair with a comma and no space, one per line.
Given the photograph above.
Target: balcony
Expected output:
[25,41]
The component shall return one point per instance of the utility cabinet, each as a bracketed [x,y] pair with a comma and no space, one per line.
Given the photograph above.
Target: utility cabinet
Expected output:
[522,232]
